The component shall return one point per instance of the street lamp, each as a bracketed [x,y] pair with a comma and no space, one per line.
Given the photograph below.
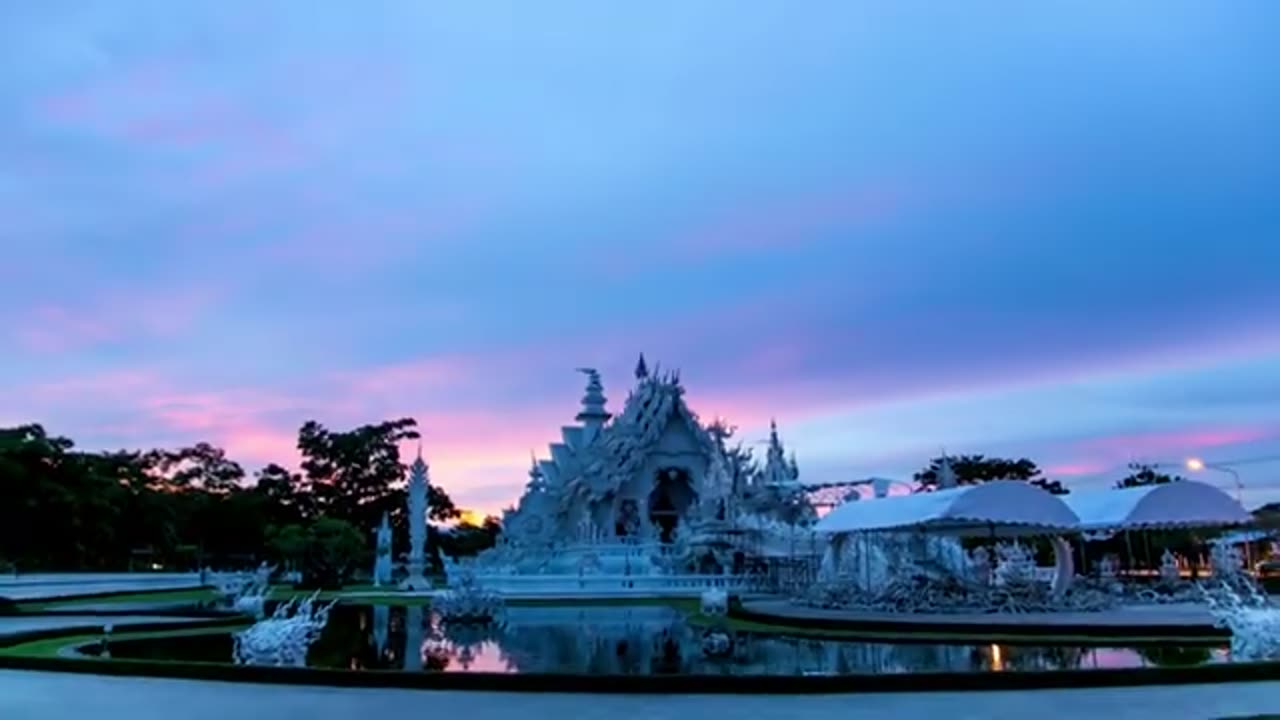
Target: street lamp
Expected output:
[1196,465]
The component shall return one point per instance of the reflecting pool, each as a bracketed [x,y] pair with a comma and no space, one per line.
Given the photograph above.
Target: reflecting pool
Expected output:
[640,640]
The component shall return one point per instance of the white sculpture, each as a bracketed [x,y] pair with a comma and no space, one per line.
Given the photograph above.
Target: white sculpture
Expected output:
[1253,619]
[251,600]
[980,558]
[1014,566]
[715,603]
[466,602]
[717,643]
[418,492]
[382,554]
[1169,571]
[284,638]
[262,576]
[1107,567]
[1226,560]
[228,585]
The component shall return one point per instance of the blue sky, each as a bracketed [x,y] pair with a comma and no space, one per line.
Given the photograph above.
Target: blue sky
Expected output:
[1043,229]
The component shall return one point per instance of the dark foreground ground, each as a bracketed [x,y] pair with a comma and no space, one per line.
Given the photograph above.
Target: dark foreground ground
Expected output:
[55,696]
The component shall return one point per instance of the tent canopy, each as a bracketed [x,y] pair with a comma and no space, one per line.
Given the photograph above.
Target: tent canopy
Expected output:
[1002,507]
[1178,504]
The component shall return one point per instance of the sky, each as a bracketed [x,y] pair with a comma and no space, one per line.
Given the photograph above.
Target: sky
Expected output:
[1022,229]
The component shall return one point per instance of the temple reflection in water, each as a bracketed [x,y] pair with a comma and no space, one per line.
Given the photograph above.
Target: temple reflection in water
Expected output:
[644,640]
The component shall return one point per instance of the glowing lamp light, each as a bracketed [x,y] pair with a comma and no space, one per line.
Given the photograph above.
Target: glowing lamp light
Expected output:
[1195,464]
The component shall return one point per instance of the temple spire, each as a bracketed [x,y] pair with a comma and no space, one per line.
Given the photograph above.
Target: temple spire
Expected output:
[593,415]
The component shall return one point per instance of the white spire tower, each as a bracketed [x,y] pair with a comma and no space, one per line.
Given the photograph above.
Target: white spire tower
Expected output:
[418,493]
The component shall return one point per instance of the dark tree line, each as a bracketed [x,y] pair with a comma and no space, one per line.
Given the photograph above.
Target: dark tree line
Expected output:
[62,508]
[977,469]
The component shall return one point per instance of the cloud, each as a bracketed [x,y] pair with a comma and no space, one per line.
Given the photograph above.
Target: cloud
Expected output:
[110,317]
[218,224]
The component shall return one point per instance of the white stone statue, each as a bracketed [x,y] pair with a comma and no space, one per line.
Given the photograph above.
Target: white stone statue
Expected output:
[262,576]
[1169,571]
[1226,560]
[980,561]
[284,638]
[251,601]
[1253,619]
[1107,567]
[465,602]
[1014,566]
[382,554]
[715,603]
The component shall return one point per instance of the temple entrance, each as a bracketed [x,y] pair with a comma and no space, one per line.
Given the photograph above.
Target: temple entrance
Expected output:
[671,497]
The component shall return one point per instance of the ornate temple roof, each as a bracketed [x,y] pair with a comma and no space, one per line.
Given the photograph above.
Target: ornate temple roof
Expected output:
[623,445]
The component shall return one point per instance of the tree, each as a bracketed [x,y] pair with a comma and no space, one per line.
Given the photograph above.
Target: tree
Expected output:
[466,539]
[200,466]
[978,469]
[334,549]
[351,474]
[62,508]
[287,545]
[1141,474]
[440,505]
[283,495]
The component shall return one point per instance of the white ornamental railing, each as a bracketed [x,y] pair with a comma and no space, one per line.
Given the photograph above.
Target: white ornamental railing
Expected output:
[613,585]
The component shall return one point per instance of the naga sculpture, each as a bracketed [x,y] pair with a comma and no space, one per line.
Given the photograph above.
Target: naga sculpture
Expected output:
[284,638]
[465,602]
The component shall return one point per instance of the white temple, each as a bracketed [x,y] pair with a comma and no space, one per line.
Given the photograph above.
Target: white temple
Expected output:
[650,493]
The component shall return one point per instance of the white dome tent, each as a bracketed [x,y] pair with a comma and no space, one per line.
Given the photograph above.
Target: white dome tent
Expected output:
[1178,504]
[1004,508]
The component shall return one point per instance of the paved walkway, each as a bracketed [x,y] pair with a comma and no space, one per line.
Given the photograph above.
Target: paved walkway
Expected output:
[55,585]
[27,623]
[56,696]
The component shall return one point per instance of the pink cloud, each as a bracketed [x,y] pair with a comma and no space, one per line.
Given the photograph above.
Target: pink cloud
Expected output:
[108,318]
[425,374]
[1172,445]
[1072,469]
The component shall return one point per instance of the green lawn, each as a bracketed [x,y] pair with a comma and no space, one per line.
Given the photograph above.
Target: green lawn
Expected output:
[50,647]
[375,596]
[192,595]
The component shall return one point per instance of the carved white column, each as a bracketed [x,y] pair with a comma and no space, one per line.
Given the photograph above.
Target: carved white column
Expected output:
[418,487]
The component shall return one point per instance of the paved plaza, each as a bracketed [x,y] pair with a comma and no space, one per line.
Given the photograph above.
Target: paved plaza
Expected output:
[56,696]
[55,585]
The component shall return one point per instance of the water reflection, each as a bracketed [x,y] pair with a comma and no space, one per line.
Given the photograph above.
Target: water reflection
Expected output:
[639,641]
[658,640]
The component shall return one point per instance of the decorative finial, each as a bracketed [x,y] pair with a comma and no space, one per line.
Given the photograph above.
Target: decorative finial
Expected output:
[642,370]
[593,402]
